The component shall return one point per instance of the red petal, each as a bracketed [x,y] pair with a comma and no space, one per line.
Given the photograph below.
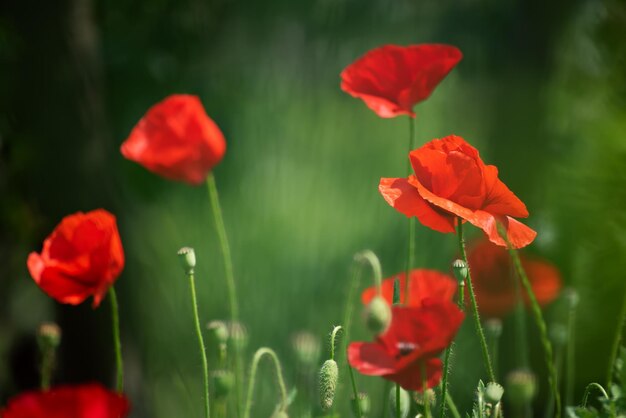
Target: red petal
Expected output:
[424,284]
[500,199]
[404,197]
[410,378]
[371,359]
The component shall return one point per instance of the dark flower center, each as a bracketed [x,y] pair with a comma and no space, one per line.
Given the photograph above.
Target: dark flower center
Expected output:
[406,348]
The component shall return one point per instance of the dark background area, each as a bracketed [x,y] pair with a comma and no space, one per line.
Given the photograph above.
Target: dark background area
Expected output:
[541,92]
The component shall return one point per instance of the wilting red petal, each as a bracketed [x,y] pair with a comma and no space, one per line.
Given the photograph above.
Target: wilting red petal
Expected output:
[82,257]
[402,196]
[84,401]
[424,284]
[177,140]
[392,79]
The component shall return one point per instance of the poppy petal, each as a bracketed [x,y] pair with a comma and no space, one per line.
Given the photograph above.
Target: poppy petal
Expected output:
[410,378]
[500,199]
[371,359]
[403,196]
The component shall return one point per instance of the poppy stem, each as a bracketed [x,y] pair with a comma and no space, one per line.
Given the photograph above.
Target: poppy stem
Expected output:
[333,337]
[470,287]
[265,351]
[539,321]
[444,380]
[616,343]
[570,368]
[425,398]
[115,320]
[452,406]
[230,279]
[398,408]
[588,390]
[411,243]
[205,365]
[371,258]
[520,326]
[355,392]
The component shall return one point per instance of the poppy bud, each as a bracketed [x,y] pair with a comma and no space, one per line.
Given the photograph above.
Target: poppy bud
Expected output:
[459,267]
[493,392]
[48,336]
[329,375]
[377,316]
[218,332]
[493,326]
[223,381]
[430,396]
[362,402]
[307,347]
[558,335]
[405,403]
[238,335]
[187,257]
[520,387]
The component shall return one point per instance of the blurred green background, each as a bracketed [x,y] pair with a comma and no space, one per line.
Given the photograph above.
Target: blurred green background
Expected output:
[541,92]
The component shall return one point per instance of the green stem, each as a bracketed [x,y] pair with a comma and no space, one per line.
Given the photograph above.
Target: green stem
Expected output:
[398,407]
[616,343]
[115,321]
[368,256]
[425,399]
[570,349]
[333,336]
[520,327]
[452,406]
[470,286]
[411,232]
[444,380]
[205,365]
[355,392]
[541,324]
[588,391]
[279,374]
[230,279]
[47,363]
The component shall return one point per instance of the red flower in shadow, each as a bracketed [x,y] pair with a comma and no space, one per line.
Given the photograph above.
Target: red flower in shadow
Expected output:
[176,140]
[492,276]
[84,401]
[413,341]
[392,79]
[423,284]
[452,181]
[82,257]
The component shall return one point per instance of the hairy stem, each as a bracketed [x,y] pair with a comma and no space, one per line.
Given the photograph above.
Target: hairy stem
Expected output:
[115,321]
[264,351]
[205,364]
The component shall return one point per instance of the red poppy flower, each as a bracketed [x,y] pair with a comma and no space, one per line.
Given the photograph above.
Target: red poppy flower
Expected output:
[84,401]
[413,341]
[392,79]
[82,257]
[423,284]
[492,272]
[452,181]
[176,140]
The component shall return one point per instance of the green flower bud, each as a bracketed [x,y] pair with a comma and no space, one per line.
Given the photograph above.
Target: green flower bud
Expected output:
[187,257]
[328,377]
[218,332]
[521,387]
[238,335]
[405,402]
[493,327]
[48,335]
[307,347]
[558,335]
[363,401]
[431,397]
[223,382]
[459,267]
[493,393]
[378,315]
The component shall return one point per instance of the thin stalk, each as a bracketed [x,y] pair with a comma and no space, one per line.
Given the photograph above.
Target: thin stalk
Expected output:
[47,361]
[588,391]
[115,321]
[333,337]
[444,380]
[264,351]
[230,279]
[205,364]
[570,349]
[541,324]
[355,392]
[616,342]
[411,232]
[452,406]
[425,399]
[461,300]
[398,408]
[521,332]
[470,286]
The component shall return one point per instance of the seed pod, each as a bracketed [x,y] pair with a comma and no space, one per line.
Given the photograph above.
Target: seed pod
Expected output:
[238,335]
[520,387]
[187,257]
[218,332]
[431,397]
[405,402]
[493,392]
[48,335]
[459,267]
[378,315]
[329,375]
[223,382]
[363,401]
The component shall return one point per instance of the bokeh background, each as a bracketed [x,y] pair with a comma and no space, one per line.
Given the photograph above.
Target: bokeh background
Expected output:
[541,92]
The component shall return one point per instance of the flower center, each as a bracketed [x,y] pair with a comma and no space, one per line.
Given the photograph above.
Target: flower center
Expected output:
[406,348]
